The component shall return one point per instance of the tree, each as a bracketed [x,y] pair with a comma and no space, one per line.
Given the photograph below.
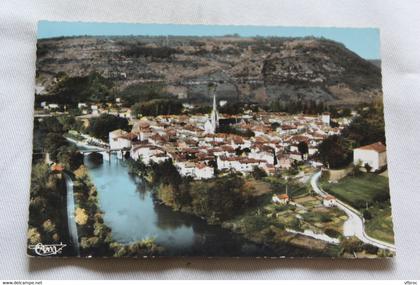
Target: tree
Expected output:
[335,152]
[54,143]
[303,148]
[72,90]
[136,93]
[258,173]
[367,128]
[71,158]
[165,173]
[368,167]
[101,127]
[51,125]
[157,107]
[274,126]
[70,123]
[367,215]
[356,169]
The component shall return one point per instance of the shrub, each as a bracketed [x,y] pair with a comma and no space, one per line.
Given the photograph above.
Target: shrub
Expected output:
[332,233]
[371,249]
[367,215]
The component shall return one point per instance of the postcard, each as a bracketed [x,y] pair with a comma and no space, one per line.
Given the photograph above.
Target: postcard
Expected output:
[156,140]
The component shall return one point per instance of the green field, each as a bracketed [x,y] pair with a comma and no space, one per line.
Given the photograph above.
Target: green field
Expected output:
[380,226]
[367,190]
[278,185]
[357,190]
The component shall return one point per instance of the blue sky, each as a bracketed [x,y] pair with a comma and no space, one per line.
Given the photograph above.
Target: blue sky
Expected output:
[363,41]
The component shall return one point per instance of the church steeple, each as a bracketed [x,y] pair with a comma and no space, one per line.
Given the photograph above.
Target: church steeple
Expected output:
[214,102]
[214,115]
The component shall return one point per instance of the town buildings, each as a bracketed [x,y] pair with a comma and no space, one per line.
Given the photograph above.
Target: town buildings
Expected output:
[265,140]
[198,150]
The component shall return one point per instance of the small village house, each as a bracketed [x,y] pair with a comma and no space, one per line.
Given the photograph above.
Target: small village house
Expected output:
[373,154]
[281,199]
[326,118]
[329,201]
[120,139]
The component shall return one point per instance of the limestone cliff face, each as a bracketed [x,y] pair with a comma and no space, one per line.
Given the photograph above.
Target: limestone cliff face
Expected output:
[254,69]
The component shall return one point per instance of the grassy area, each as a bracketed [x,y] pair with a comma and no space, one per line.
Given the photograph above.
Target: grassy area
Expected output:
[357,190]
[294,189]
[374,190]
[380,226]
[73,136]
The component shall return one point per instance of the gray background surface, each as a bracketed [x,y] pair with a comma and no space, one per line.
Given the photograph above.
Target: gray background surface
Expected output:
[399,24]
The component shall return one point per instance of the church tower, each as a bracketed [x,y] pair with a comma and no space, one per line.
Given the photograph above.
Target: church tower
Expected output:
[214,115]
[211,125]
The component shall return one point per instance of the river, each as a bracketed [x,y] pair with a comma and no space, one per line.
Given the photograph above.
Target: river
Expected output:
[133,214]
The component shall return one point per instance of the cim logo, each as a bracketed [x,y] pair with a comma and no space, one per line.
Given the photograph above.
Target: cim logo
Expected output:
[47,249]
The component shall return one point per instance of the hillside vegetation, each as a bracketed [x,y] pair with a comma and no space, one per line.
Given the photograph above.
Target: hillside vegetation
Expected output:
[260,70]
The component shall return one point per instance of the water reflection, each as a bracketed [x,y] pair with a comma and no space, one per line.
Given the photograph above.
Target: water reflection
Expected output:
[132,213]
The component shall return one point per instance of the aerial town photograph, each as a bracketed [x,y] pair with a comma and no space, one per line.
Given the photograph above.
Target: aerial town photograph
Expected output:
[215,141]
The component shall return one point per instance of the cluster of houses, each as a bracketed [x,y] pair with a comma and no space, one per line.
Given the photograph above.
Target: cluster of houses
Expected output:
[92,110]
[198,150]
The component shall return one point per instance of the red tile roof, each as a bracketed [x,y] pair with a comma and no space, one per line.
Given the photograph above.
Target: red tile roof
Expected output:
[378,147]
[329,197]
[283,196]
[57,167]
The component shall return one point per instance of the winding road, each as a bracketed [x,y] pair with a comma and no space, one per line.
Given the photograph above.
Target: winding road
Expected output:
[354,226]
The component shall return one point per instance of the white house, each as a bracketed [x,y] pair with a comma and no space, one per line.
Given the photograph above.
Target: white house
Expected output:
[203,171]
[196,170]
[52,106]
[373,154]
[81,105]
[262,155]
[280,199]
[148,153]
[120,139]
[185,168]
[95,109]
[326,118]
[329,201]
[240,164]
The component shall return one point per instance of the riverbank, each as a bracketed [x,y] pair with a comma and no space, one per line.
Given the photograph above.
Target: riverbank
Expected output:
[233,203]
[94,235]
[47,222]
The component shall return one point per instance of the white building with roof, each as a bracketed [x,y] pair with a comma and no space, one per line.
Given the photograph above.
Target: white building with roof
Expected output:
[120,139]
[373,154]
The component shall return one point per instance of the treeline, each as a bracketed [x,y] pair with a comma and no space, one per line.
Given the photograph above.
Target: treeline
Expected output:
[152,99]
[48,200]
[47,209]
[72,90]
[309,107]
[48,138]
[95,237]
[157,107]
[101,126]
[48,221]
[368,127]
[215,200]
